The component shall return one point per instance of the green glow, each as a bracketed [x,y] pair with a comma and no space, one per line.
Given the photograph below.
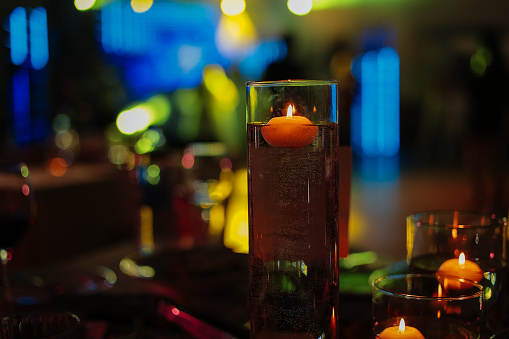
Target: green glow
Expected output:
[160,109]
[153,112]
[24,171]
[328,4]
[143,146]
[358,259]
[112,133]
[487,293]
[153,171]
[287,284]
[154,180]
[480,61]
[190,106]
[61,123]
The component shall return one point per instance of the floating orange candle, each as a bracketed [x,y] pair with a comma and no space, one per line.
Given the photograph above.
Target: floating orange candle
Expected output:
[461,268]
[290,130]
[401,332]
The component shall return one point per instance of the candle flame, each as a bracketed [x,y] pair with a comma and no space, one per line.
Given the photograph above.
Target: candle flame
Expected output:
[454,233]
[402,326]
[289,112]
[439,293]
[461,259]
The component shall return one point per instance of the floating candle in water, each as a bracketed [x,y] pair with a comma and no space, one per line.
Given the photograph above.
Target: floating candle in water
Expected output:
[401,332]
[290,130]
[461,268]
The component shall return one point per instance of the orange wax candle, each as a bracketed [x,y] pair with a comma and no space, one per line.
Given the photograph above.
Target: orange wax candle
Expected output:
[289,131]
[401,332]
[461,268]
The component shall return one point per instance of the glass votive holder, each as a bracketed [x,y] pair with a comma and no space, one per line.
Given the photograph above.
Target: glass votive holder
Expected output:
[469,245]
[437,236]
[41,325]
[426,306]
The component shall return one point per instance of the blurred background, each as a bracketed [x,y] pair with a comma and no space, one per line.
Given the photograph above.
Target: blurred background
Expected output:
[131,113]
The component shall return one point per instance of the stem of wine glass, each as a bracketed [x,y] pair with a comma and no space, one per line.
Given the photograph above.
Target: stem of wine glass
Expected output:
[7,305]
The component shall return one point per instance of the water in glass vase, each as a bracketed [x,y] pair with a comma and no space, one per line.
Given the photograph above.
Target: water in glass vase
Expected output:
[293,236]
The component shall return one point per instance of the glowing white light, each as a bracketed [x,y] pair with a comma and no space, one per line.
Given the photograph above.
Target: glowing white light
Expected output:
[132,121]
[402,326]
[461,259]
[233,7]
[83,5]
[300,7]
[289,112]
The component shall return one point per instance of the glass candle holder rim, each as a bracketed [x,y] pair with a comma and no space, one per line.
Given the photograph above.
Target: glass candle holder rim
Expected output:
[291,82]
[18,317]
[385,291]
[496,221]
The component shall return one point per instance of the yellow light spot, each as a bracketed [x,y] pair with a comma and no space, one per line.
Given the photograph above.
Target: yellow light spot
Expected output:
[146,229]
[300,7]
[233,7]
[236,231]
[216,219]
[235,34]
[141,6]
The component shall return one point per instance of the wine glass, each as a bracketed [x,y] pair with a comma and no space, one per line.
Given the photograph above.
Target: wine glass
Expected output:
[17,212]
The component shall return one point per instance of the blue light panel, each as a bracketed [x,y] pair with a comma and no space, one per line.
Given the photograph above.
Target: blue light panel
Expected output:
[162,49]
[18,35]
[21,107]
[375,120]
[254,64]
[39,53]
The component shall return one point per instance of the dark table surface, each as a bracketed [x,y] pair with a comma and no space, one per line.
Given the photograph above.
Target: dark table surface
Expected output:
[193,293]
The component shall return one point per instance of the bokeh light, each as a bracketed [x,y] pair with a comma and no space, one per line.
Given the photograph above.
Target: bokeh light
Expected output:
[236,231]
[235,35]
[300,7]
[83,5]
[233,7]
[141,6]
[24,171]
[61,123]
[188,160]
[137,118]
[57,167]
[133,120]
[26,190]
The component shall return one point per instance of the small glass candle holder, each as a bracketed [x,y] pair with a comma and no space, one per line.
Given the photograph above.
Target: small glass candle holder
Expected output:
[41,325]
[418,306]
[468,245]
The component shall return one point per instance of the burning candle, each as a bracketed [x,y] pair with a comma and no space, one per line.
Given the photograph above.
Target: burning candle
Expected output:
[290,130]
[461,268]
[401,332]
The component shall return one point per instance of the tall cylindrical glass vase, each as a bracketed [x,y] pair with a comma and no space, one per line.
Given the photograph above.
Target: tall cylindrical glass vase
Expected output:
[292,131]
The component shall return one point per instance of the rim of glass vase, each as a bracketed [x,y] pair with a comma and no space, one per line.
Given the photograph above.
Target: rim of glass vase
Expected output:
[421,219]
[387,291]
[291,82]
